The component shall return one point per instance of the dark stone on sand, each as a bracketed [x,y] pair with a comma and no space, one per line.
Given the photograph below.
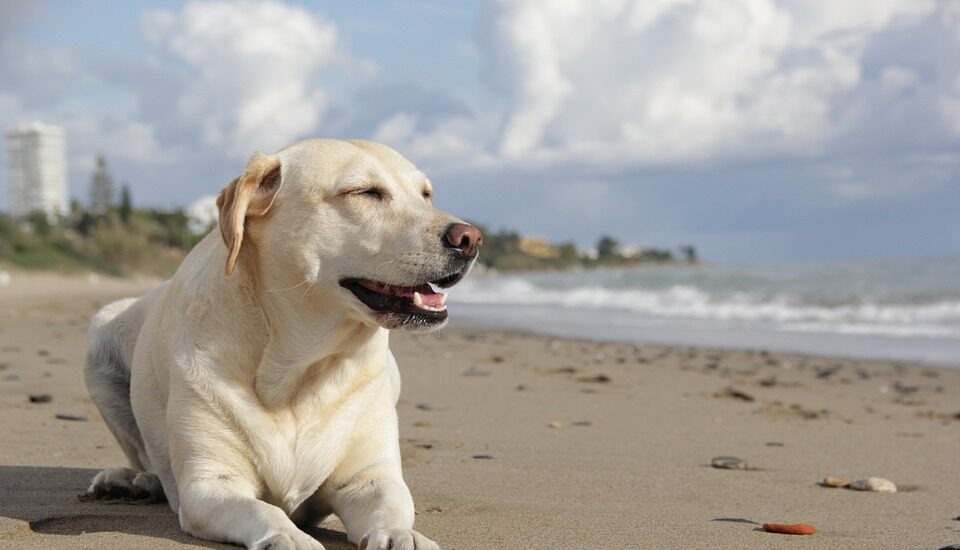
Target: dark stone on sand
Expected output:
[521,387]
[483,457]
[425,406]
[564,370]
[774,444]
[41,398]
[827,372]
[728,463]
[956,518]
[598,379]
[43,353]
[951,547]
[737,394]
[71,417]
[497,359]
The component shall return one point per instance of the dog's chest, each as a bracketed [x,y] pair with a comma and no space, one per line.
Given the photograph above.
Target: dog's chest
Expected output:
[297,450]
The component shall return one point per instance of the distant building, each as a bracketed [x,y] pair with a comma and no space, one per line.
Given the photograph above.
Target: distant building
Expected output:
[538,247]
[37,170]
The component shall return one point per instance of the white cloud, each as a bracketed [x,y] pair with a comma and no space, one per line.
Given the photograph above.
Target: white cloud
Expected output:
[644,82]
[202,214]
[253,68]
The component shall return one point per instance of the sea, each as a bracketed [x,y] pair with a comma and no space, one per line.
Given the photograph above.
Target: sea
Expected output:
[900,310]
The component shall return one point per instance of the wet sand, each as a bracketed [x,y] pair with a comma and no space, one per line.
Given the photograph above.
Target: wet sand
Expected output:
[512,440]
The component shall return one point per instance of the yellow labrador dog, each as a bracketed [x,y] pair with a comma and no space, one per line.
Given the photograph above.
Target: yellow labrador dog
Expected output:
[255,390]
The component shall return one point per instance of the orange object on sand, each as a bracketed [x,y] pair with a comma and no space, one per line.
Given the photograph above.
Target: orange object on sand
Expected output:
[790,529]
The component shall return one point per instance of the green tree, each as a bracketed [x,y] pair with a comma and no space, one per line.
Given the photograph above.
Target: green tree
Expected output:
[126,206]
[101,188]
[607,248]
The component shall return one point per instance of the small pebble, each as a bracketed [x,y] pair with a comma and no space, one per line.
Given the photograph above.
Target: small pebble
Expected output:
[874,484]
[555,424]
[483,457]
[424,406]
[951,547]
[71,417]
[474,371]
[774,444]
[41,398]
[598,379]
[728,463]
[582,423]
[790,529]
[834,482]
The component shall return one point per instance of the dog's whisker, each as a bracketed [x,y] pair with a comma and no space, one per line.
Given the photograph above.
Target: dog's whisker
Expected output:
[301,283]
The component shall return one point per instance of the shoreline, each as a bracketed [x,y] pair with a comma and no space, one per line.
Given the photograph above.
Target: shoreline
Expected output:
[559,323]
[515,440]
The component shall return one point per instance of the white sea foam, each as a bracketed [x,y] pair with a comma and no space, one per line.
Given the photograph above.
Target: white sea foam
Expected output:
[778,310]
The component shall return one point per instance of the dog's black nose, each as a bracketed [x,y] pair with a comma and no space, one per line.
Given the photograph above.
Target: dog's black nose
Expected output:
[465,238]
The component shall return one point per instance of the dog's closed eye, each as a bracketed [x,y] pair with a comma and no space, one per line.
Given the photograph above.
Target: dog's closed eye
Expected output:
[375,193]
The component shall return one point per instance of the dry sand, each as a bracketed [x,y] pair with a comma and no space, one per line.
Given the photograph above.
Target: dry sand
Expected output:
[590,445]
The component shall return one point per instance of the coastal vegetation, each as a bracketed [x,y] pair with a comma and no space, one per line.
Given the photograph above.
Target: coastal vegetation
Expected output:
[123,241]
[109,235]
[508,250]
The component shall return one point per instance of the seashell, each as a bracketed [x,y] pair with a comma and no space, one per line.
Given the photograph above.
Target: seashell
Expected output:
[874,484]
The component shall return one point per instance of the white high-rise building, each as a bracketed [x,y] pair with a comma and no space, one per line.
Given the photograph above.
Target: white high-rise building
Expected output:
[37,170]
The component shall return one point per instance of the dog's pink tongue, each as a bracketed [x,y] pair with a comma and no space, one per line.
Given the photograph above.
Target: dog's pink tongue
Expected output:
[433,299]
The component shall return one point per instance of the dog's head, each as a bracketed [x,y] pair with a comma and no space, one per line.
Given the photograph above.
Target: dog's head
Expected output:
[347,224]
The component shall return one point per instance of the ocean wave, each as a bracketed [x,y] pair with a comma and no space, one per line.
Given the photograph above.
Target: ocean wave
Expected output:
[786,312]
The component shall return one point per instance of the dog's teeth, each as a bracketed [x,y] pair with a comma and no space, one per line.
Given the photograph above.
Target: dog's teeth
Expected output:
[443,299]
[417,299]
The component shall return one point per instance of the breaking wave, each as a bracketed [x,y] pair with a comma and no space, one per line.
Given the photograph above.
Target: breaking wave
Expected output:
[779,310]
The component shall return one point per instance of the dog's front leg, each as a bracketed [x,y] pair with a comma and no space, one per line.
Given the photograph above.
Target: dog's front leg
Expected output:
[376,507]
[225,509]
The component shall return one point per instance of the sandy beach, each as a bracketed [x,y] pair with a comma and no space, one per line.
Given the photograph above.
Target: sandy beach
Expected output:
[512,440]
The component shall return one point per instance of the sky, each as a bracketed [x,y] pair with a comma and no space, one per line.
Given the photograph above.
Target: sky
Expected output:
[759,130]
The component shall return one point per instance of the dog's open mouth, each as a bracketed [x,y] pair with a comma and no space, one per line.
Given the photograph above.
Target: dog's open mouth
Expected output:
[422,301]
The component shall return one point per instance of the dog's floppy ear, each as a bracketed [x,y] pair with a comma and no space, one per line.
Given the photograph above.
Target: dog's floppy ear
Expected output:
[250,195]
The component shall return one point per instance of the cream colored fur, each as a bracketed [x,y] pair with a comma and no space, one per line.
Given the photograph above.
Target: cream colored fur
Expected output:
[257,390]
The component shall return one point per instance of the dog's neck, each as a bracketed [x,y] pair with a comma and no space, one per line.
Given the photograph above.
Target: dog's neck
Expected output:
[308,343]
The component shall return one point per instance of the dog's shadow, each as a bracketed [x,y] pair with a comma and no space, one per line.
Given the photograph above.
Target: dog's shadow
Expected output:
[46,498]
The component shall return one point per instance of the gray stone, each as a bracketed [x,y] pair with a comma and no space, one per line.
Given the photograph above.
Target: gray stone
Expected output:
[728,463]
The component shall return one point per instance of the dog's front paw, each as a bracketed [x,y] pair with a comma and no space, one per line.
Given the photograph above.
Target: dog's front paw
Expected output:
[291,540]
[126,484]
[396,539]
